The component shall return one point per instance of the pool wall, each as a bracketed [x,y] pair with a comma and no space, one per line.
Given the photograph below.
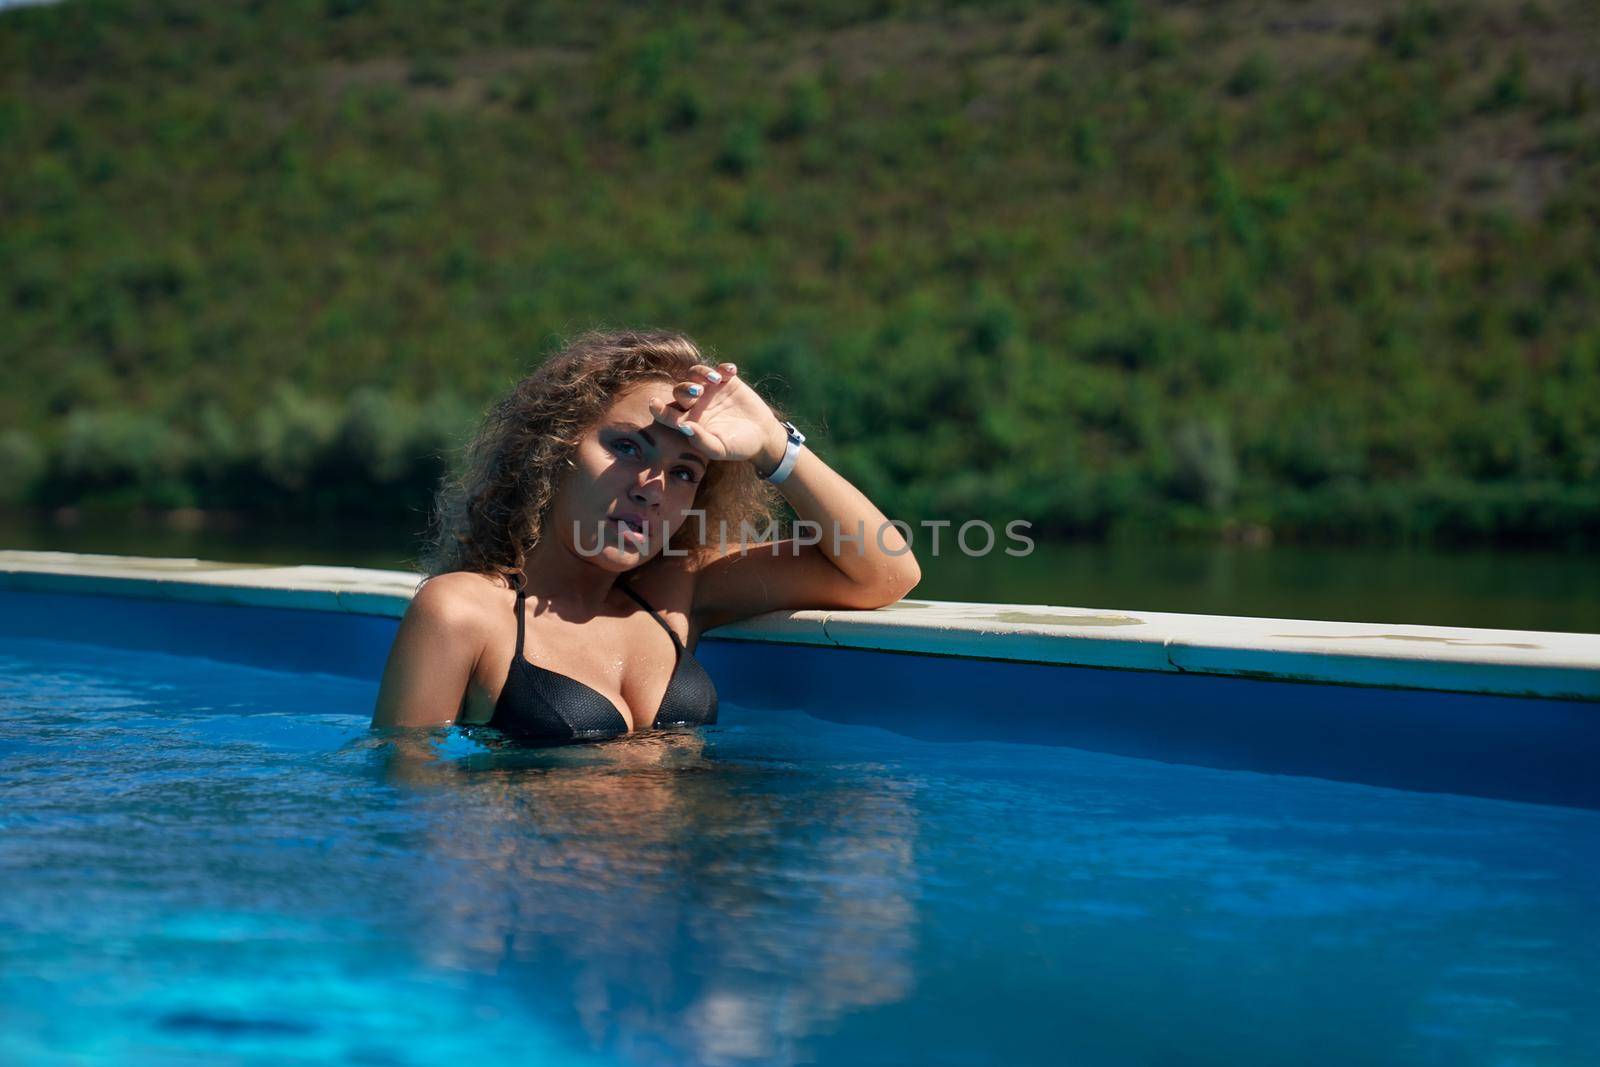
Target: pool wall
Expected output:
[1500,713]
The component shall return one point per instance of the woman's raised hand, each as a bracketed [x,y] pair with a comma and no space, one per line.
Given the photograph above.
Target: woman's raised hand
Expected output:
[722,416]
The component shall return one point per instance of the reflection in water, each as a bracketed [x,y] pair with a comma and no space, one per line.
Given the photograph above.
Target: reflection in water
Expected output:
[667,905]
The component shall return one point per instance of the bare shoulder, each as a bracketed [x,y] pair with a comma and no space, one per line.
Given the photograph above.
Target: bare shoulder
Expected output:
[459,600]
[436,650]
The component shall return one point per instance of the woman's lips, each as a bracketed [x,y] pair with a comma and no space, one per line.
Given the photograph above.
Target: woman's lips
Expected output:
[631,530]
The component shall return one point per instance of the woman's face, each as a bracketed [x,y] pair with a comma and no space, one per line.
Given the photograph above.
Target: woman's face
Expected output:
[634,482]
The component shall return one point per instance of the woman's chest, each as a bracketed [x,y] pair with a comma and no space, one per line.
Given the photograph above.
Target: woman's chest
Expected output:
[615,661]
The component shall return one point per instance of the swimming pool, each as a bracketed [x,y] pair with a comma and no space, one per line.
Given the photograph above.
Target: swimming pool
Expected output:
[209,858]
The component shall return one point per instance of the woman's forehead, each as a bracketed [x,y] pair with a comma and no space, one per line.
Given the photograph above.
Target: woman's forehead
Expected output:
[633,405]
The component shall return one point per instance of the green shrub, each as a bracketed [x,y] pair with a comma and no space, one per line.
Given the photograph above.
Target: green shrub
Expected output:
[1123,285]
[22,463]
[740,151]
[1510,87]
[1120,19]
[431,71]
[289,436]
[1253,74]
[1410,32]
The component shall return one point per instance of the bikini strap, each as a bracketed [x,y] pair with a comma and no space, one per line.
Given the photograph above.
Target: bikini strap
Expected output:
[522,597]
[626,588]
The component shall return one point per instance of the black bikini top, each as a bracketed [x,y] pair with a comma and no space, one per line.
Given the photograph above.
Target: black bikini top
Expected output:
[538,704]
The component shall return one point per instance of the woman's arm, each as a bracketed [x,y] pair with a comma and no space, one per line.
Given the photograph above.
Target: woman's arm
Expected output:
[433,657]
[843,571]
[858,559]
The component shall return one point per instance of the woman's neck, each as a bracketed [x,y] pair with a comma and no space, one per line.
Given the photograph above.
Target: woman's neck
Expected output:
[568,581]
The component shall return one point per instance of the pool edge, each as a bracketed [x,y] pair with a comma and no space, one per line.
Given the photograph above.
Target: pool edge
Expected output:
[1517,663]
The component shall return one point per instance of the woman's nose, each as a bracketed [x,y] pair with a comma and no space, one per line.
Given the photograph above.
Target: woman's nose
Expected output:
[649,486]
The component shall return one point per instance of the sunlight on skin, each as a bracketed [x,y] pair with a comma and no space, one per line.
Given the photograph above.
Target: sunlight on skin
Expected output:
[634,478]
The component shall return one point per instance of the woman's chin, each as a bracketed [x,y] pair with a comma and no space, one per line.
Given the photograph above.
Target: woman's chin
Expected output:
[623,557]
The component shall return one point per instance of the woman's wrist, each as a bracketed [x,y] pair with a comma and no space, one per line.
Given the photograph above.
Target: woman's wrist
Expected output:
[771,453]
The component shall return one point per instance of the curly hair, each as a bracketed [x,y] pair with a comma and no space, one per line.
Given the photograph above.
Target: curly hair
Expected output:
[490,512]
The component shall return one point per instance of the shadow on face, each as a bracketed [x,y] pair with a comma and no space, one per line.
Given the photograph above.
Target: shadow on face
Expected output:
[632,485]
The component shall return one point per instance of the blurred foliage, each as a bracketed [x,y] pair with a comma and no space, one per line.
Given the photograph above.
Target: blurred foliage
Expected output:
[1116,267]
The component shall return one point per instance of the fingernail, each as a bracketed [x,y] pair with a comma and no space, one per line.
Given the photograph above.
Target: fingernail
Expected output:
[694,390]
[732,368]
[688,431]
[714,376]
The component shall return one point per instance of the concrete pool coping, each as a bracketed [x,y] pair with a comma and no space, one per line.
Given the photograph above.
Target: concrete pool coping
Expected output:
[1454,659]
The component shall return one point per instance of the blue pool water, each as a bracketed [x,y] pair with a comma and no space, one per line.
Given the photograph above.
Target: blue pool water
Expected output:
[211,863]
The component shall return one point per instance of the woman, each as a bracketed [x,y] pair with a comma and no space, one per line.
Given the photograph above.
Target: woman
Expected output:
[588,521]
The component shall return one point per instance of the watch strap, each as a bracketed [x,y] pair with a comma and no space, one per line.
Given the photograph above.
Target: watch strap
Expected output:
[791,454]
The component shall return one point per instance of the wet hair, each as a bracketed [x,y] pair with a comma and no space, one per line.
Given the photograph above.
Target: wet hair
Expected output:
[490,511]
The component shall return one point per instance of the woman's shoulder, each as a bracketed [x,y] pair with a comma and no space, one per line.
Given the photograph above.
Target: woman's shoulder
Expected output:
[460,599]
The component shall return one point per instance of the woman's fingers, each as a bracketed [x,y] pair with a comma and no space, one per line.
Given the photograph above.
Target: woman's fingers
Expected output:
[687,394]
[702,383]
[704,442]
[715,375]
[671,415]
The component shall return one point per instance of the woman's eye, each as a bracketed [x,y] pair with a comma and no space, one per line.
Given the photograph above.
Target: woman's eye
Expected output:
[626,447]
[689,477]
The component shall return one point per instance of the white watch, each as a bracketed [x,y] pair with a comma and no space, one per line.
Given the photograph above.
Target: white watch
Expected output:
[791,453]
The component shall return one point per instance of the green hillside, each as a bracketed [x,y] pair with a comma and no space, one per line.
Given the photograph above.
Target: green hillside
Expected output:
[1333,268]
